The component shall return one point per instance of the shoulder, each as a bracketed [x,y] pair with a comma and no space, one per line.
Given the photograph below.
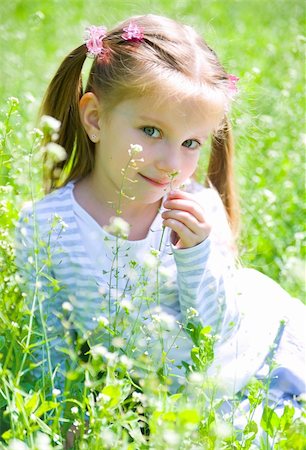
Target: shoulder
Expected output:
[49,212]
[55,202]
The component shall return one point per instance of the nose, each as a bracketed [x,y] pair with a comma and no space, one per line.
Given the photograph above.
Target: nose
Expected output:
[168,158]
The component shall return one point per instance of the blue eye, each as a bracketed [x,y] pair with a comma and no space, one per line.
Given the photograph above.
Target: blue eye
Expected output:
[152,132]
[192,144]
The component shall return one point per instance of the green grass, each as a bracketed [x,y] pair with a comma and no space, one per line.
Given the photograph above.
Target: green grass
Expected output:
[261,42]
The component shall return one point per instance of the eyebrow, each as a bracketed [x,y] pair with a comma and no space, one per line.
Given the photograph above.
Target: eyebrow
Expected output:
[151,119]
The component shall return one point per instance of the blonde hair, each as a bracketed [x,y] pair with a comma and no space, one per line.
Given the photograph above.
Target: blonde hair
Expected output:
[171,59]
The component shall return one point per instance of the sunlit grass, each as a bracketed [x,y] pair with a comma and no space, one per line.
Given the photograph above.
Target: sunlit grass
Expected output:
[262,43]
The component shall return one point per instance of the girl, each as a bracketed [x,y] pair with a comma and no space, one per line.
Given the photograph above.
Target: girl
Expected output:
[128,246]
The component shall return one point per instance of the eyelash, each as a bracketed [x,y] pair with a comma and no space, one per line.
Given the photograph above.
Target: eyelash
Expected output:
[198,144]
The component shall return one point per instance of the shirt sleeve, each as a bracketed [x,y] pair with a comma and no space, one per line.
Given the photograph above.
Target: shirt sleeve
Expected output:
[206,272]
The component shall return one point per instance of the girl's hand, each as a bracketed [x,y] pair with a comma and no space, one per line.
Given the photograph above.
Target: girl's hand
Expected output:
[186,218]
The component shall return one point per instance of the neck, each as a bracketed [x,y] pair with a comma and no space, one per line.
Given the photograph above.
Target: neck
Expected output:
[102,208]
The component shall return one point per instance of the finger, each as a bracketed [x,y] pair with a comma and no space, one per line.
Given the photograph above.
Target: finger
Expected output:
[186,237]
[201,229]
[190,206]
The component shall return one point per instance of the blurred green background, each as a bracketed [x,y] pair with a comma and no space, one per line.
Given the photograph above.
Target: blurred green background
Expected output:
[260,41]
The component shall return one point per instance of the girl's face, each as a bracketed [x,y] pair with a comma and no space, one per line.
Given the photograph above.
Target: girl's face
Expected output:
[171,134]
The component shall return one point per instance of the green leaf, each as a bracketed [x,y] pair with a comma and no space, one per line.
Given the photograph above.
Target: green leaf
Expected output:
[7,435]
[114,393]
[188,416]
[45,407]
[32,403]
[270,421]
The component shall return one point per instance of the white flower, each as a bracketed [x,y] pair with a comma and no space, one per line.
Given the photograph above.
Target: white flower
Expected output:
[138,397]
[42,441]
[171,437]
[126,304]
[118,227]
[103,321]
[99,350]
[55,151]
[16,444]
[166,320]
[104,397]
[135,149]
[118,342]
[151,259]
[127,362]
[56,392]
[67,306]
[13,101]
[74,410]
[108,437]
[196,378]
[191,312]
[50,124]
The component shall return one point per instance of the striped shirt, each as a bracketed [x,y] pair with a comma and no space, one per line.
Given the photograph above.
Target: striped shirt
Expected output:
[57,234]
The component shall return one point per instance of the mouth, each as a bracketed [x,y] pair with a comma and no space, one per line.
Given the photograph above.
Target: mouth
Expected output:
[155,182]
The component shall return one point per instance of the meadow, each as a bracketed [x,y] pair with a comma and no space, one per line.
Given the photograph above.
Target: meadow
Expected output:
[263,44]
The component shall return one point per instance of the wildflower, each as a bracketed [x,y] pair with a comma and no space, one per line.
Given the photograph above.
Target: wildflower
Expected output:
[104,397]
[222,429]
[103,321]
[126,305]
[126,362]
[139,397]
[16,444]
[56,392]
[13,101]
[118,227]
[166,320]
[98,350]
[42,441]
[49,124]
[151,259]
[196,378]
[67,306]
[118,342]
[37,133]
[135,149]
[55,152]
[171,437]
[191,312]
[108,437]
[74,410]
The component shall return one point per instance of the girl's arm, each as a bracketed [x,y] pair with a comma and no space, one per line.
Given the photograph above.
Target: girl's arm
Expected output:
[205,257]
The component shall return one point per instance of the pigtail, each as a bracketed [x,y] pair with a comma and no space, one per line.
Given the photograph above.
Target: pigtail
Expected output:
[220,172]
[61,101]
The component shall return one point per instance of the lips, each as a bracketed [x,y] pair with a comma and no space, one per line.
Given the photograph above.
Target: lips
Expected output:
[155,181]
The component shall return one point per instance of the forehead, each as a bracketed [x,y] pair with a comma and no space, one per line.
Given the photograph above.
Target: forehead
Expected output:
[192,112]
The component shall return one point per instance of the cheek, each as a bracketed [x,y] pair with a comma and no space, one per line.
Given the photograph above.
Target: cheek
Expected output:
[191,164]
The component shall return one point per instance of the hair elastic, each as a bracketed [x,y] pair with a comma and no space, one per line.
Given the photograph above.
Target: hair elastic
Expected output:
[94,40]
[232,87]
[133,33]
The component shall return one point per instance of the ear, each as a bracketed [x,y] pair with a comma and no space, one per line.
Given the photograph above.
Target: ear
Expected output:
[90,114]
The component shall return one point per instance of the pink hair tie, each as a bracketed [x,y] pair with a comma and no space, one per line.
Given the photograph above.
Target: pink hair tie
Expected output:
[232,84]
[94,40]
[133,33]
